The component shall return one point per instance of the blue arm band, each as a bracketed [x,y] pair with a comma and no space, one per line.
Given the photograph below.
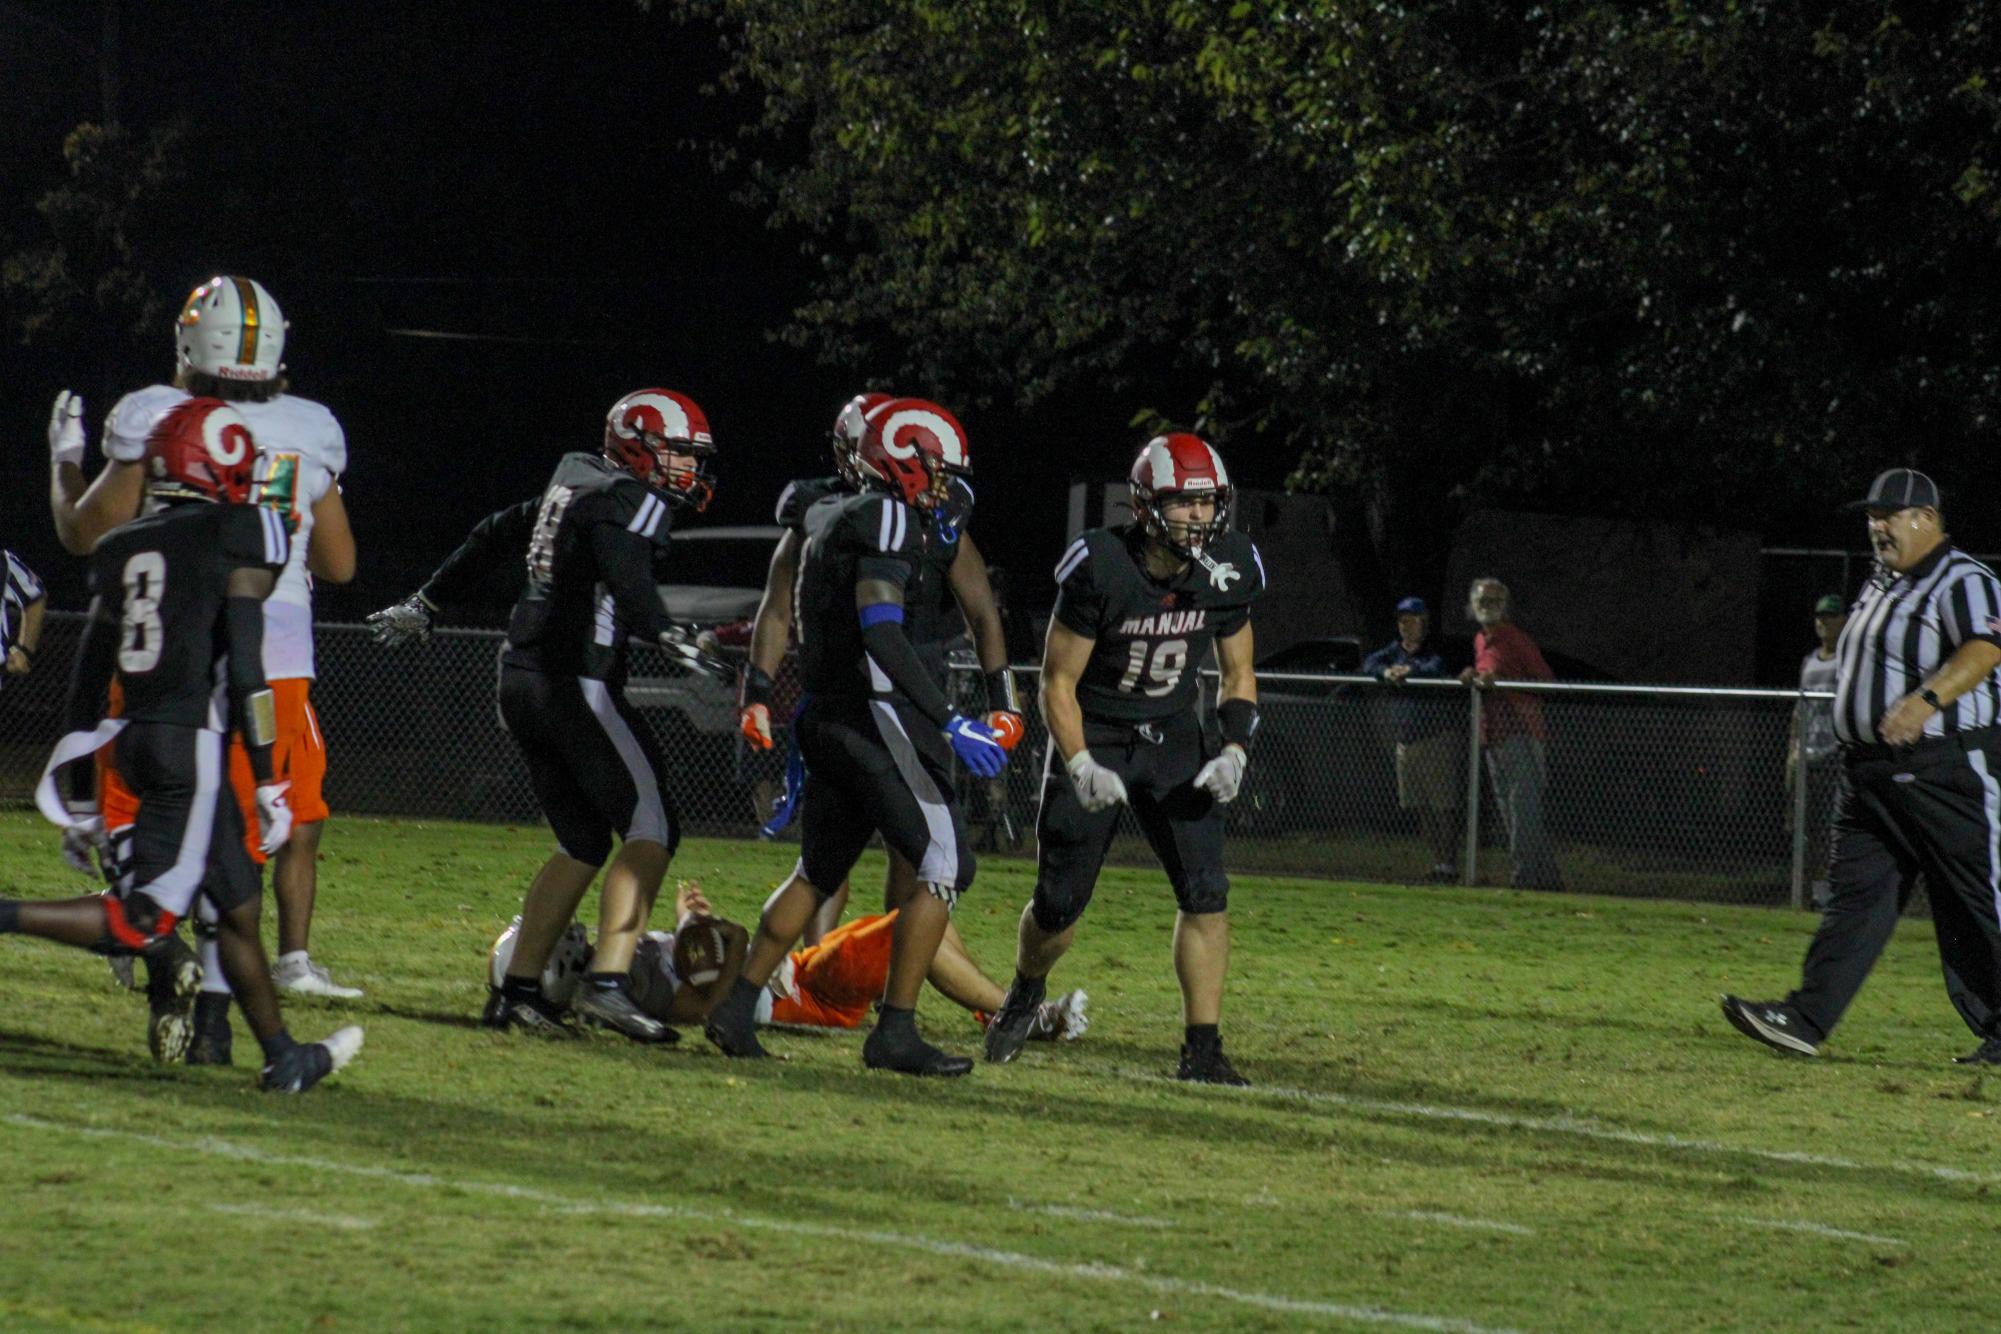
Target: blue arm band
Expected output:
[878,612]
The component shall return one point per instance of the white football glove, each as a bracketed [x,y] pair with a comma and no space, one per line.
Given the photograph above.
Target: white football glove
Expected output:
[66,430]
[1098,788]
[1223,777]
[408,622]
[274,814]
[84,838]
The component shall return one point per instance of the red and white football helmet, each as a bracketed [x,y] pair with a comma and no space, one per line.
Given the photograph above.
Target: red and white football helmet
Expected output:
[232,329]
[1180,464]
[913,448]
[646,427]
[846,436]
[202,450]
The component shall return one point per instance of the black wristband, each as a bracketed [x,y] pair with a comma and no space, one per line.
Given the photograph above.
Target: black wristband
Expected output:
[26,652]
[1001,697]
[1930,696]
[757,685]
[1239,720]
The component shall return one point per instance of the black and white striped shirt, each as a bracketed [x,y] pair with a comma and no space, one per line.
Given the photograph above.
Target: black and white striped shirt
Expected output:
[18,588]
[1899,634]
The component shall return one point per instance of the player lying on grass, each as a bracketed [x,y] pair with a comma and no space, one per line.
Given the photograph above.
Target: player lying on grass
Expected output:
[678,976]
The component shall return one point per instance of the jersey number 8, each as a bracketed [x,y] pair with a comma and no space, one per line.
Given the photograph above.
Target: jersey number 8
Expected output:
[145,581]
[1163,672]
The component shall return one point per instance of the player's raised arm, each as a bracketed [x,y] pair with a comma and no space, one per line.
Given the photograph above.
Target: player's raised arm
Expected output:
[84,513]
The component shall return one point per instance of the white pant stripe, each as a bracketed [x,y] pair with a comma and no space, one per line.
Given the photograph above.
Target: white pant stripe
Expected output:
[649,816]
[175,888]
[940,863]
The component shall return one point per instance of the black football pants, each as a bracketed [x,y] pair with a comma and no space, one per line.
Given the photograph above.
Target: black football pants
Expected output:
[1935,809]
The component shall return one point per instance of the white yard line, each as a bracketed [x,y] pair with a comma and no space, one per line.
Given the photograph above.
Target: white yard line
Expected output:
[345,1222]
[1456,1220]
[1821,1230]
[1563,1125]
[1083,1215]
[1081,1270]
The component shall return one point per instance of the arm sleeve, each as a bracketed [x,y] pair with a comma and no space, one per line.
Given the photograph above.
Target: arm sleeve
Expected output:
[891,651]
[625,565]
[1972,610]
[96,657]
[244,623]
[495,540]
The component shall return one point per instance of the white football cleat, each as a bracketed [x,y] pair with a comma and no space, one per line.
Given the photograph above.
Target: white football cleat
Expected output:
[343,1044]
[296,974]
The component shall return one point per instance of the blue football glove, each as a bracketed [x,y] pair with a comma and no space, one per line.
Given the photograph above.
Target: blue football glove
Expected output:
[973,742]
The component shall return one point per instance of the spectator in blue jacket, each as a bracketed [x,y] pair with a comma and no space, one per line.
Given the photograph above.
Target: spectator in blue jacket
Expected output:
[1431,761]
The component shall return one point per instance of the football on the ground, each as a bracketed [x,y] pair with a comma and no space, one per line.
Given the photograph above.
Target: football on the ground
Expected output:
[698,950]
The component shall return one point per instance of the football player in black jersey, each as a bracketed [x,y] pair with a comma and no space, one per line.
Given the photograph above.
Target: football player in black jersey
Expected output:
[952,574]
[592,539]
[877,733]
[1137,609]
[178,614]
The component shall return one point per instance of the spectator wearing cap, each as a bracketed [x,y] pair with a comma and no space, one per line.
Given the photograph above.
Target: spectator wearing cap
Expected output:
[1512,735]
[1812,746]
[21,605]
[1429,757]
[1916,707]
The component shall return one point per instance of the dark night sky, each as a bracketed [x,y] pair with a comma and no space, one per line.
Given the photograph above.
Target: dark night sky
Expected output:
[525,175]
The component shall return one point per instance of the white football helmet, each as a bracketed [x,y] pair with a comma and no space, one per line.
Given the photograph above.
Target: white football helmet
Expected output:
[232,329]
[568,962]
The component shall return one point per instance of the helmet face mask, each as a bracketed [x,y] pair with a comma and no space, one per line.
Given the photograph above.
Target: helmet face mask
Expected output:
[846,437]
[202,450]
[913,448]
[1175,467]
[654,434]
[230,328]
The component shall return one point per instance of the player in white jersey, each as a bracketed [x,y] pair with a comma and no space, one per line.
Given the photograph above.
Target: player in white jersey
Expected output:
[230,339]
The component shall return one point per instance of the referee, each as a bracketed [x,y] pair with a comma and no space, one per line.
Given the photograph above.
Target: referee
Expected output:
[1916,704]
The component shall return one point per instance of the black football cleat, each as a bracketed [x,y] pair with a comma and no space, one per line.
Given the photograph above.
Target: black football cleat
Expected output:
[611,1007]
[310,1062]
[732,1025]
[173,976]
[902,1050]
[1987,1053]
[1010,1028]
[1209,1066]
[526,1014]
[1774,1023]
[213,1039]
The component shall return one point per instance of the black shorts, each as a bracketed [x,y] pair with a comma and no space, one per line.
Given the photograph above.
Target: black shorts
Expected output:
[872,765]
[1183,823]
[593,762]
[187,837]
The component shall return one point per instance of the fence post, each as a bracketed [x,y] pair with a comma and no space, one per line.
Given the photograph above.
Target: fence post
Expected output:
[1800,785]
[1469,865]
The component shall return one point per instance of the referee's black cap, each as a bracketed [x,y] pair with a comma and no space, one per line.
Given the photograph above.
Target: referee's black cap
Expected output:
[1898,489]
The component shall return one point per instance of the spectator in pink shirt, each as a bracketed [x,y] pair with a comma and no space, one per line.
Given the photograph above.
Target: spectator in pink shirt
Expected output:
[1511,732]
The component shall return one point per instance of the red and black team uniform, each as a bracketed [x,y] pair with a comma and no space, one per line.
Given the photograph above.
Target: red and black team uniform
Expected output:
[593,540]
[876,757]
[161,584]
[1139,696]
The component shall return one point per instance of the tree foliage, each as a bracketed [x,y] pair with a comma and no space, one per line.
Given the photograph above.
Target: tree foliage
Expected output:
[1598,255]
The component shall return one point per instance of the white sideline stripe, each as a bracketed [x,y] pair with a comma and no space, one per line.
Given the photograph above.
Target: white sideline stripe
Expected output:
[1092,1270]
[1081,1215]
[1821,1230]
[346,1222]
[1455,1220]
[1567,1125]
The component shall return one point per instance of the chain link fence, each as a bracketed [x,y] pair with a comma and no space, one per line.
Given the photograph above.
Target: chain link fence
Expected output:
[1671,792]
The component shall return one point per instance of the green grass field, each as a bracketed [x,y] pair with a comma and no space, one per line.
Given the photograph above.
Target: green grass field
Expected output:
[1476,1110]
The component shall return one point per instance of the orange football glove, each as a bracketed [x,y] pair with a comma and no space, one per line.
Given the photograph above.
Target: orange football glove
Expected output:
[1006,727]
[754,721]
